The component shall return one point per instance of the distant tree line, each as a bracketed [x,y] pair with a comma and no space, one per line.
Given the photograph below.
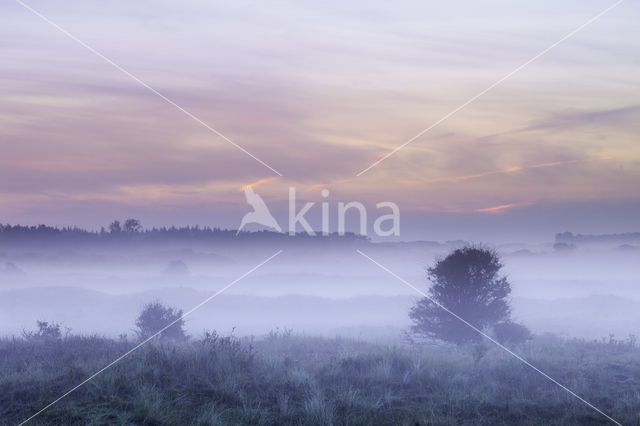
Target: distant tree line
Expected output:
[132,229]
[576,239]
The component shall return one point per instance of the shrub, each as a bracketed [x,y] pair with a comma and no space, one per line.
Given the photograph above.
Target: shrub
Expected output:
[511,333]
[46,331]
[155,316]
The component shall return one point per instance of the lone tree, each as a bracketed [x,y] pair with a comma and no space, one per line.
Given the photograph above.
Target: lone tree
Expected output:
[468,283]
[154,317]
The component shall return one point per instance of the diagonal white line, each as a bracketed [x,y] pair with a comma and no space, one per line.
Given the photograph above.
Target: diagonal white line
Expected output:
[483,334]
[498,82]
[124,71]
[121,357]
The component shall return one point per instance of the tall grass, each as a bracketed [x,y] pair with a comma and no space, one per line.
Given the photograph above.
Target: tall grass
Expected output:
[288,379]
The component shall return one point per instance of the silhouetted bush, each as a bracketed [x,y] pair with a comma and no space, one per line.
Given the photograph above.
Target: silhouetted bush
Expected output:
[46,331]
[511,333]
[155,317]
[132,226]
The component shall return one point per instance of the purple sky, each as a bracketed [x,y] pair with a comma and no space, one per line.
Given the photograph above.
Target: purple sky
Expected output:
[319,92]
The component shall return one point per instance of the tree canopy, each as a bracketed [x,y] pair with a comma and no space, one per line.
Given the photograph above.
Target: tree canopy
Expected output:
[467,282]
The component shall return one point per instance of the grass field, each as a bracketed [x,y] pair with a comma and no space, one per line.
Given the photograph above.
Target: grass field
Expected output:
[288,379]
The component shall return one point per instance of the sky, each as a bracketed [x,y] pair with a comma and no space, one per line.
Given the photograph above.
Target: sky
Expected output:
[320,91]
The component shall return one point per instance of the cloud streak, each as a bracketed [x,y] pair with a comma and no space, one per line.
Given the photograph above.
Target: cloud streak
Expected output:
[502,208]
[508,170]
[317,90]
[565,121]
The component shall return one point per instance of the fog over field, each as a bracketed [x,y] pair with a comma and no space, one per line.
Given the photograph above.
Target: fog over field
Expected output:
[319,287]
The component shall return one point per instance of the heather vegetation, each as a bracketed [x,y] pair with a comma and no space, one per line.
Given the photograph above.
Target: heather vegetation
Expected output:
[284,378]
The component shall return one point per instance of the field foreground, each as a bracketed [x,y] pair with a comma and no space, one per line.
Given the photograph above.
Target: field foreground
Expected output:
[287,379]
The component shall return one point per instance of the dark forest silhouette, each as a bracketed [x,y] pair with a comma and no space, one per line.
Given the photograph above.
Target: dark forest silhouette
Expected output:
[131,231]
